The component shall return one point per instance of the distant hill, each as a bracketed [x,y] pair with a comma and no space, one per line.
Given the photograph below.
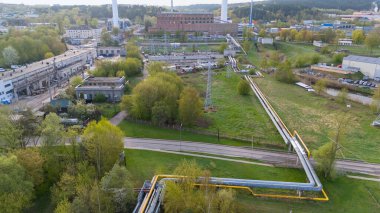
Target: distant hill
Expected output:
[198,7]
[327,4]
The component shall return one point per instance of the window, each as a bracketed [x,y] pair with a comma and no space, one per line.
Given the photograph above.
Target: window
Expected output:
[7,85]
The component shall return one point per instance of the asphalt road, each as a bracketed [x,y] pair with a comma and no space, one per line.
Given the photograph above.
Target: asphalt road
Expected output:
[282,159]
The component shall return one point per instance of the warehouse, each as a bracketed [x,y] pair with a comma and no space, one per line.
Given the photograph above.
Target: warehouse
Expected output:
[367,65]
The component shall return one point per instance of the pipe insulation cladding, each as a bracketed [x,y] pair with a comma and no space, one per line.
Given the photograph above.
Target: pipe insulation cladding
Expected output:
[224,11]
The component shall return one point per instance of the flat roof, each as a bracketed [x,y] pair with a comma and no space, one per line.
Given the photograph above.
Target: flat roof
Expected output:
[38,65]
[103,79]
[363,59]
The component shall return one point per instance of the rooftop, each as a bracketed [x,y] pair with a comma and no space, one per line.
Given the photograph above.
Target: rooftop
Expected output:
[82,27]
[103,79]
[363,59]
[8,75]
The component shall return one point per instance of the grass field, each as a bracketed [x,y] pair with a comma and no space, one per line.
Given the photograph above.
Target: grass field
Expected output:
[135,130]
[235,115]
[314,117]
[346,195]
[108,110]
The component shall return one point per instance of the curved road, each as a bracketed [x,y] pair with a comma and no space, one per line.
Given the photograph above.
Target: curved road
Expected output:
[283,159]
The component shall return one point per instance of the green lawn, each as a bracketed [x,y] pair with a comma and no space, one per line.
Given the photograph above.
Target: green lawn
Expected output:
[346,195]
[236,115]
[314,117]
[108,110]
[135,130]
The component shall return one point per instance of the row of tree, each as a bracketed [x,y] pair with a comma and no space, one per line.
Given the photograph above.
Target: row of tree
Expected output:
[27,46]
[163,99]
[82,177]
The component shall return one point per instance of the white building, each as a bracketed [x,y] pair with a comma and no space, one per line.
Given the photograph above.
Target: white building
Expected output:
[319,44]
[265,40]
[368,66]
[345,42]
[80,32]
[6,91]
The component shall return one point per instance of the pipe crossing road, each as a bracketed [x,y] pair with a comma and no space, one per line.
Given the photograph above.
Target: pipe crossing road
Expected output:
[277,158]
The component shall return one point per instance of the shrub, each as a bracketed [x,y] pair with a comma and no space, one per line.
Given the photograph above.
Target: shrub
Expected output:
[243,87]
[100,98]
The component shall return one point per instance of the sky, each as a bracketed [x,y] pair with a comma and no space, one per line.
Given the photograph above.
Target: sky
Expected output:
[98,2]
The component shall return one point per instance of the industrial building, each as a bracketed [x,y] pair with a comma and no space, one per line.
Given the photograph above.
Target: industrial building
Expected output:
[367,65]
[111,87]
[190,22]
[37,77]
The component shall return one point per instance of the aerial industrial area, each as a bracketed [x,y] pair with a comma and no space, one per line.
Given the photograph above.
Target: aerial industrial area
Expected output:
[226,106]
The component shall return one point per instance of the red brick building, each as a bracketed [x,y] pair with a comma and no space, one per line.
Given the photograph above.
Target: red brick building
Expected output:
[192,22]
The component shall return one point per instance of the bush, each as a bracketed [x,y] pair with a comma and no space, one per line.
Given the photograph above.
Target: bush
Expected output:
[285,73]
[243,87]
[338,58]
[100,98]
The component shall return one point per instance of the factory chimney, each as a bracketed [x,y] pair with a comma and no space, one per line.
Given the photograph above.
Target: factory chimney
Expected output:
[224,11]
[172,8]
[115,14]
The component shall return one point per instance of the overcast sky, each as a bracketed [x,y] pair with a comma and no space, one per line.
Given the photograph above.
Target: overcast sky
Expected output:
[98,2]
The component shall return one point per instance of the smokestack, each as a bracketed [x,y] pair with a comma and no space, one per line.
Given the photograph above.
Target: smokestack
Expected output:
[250,15]
[172,8]
[224,11]
[115,14]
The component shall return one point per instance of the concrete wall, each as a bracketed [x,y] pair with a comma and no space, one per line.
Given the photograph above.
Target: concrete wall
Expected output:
[366,68]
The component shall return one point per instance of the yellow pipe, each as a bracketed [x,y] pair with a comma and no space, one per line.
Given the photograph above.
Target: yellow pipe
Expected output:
[155,179]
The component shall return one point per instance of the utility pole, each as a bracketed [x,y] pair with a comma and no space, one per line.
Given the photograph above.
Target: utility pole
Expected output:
[208,102]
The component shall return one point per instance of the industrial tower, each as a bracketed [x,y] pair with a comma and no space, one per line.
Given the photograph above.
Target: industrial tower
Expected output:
[172,8]
[224,11]
[250,15]
[115,14]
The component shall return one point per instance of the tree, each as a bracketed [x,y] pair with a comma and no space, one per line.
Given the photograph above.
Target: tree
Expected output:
[133,66]
[160,113]
[120,73]
[16,190]
[52,130]
[222,47]
[375,104]
[115,31]
[11,134]
[162,86]
[320,86]
[246,45]
[103,142]
[75,81]
[373,40]
[155,67]
[285,73]
[183,196]
[338,58]
[63,207]
[342,96]
[325,156]
[32,162]
[10,56]
[190,106]
[48,55]
[243,87]
[100,98]
[29,124]
[262,33]
[119,186]
[264,64]
[358,36]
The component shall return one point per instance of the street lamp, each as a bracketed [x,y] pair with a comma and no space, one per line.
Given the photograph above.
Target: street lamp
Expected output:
[180,137]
